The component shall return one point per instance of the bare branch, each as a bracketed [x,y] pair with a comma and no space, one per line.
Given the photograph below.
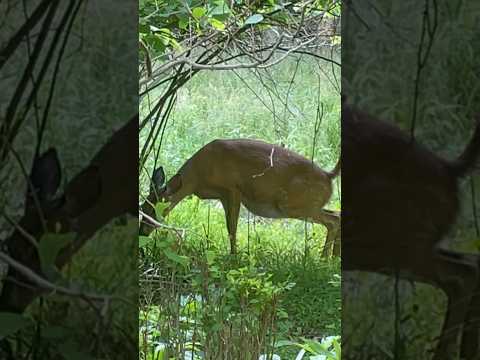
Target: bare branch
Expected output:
[45,284]
[260,64]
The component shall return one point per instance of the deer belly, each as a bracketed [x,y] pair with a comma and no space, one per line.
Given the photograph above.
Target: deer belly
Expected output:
[266,210]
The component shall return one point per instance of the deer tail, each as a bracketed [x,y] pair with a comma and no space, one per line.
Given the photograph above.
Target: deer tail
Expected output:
[468,161]
[336,170]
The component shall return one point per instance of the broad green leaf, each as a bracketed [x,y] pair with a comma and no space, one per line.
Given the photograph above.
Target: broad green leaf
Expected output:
[175,44]
[183,23]
[220,10]
[143,241]
[281,343]
[159,352]
[315,347]
[254,19]
[217,24]
[165,39]
[211,255]
[198,12]
[11,323]
[155,42]
[337,348]
[179,259]
[159,209]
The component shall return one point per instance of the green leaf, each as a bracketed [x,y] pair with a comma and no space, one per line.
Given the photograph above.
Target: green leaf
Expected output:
[183,23]
[143,28]
[337,348]
[198,12]
[217,24]
[179,259]
[11,323]
[154,42]
[159,352]
[220,10]
[165,40]
[315,347]
[159,209]
[211,255]
[281,343]
[175,44]
[143,241]
[254,19]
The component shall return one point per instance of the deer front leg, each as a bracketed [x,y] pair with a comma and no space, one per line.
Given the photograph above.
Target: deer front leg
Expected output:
[231,205]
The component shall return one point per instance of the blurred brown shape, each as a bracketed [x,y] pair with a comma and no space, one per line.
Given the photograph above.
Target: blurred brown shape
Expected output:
[399,200]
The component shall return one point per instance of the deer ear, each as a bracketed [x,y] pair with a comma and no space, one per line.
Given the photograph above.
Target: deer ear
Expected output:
[46,175]
[158,177]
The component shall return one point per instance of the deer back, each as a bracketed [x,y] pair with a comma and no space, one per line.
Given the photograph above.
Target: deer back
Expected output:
[251,166]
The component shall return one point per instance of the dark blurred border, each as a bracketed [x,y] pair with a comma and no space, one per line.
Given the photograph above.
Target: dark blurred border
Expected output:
[68,179]
[414,65]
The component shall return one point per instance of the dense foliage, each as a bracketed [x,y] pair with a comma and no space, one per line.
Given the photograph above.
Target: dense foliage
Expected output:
[276,79]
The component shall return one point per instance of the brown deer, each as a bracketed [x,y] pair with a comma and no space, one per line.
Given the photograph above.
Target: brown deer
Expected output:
[399,200]
[269,180]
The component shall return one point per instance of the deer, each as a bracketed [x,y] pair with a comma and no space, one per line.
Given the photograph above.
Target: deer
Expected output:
[399,201]
[269,180]
[102,191]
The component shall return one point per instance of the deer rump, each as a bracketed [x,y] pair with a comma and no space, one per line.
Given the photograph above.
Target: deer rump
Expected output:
[267,179]
[399,201]
[392,187]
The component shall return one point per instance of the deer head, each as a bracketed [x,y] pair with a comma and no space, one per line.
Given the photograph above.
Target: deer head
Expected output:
[99,193]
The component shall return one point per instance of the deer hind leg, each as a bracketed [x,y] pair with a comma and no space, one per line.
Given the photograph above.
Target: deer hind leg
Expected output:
[470,348]
[331,220]
[450,271]
[231,206]
[457,276]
